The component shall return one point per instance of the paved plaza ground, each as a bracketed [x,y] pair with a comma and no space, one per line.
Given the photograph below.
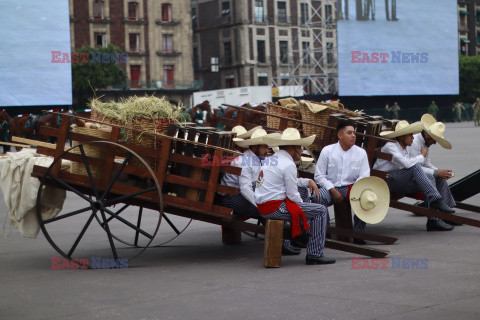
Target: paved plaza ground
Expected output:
[197,277]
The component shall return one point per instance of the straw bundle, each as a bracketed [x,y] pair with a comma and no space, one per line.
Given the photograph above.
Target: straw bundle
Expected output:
[141,117]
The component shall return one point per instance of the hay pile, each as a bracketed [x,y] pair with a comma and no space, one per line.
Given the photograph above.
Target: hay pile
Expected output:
[134,109]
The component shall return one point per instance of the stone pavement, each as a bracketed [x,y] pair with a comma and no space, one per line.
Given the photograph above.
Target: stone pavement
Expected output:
[196,277]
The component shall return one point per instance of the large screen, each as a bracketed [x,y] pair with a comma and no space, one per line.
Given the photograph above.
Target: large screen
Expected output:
[30,30]
[397,47]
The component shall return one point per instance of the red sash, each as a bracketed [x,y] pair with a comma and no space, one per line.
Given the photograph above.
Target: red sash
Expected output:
[294,210]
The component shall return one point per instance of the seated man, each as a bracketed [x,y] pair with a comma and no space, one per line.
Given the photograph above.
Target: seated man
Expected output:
[243,203]
[405,174]
[278,198]
[339,166]
[432,133]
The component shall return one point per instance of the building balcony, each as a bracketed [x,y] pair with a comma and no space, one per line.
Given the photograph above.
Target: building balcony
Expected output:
[134,21]
[155,85]
[264,61]
[170,23]
[137,53]
[100,20]
[168,53]
[284,20]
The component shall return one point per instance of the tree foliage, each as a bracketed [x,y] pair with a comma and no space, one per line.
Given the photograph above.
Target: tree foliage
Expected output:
[469,70]
[86,77]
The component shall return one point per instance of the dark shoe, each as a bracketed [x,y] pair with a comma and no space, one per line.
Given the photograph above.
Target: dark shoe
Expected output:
[359,241]
[438,225]
[311,259]
[289,250]
[442,206]
[452,223]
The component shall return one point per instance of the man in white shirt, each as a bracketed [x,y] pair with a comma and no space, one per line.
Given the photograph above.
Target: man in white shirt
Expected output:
[278,198]
[405,174]
[339,166]
[432,133]
[250,161]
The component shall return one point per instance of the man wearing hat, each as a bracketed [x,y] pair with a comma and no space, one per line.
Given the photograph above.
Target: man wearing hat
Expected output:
[405,174]
[278,198]
[432,133]
[250,161]
[339,166]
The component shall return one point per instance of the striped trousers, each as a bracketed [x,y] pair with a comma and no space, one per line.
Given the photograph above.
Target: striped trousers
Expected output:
[412,180]
[327,200]
[241,206]
[317,219]
[443,189]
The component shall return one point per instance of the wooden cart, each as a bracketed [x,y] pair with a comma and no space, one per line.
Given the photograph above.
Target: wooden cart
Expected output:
[127,199]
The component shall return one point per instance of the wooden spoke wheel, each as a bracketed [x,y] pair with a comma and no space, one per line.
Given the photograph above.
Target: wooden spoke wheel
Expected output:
[71,232]
[172,227]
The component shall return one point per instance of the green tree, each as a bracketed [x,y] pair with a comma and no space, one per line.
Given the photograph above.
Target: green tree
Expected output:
[469,70]
[99,73]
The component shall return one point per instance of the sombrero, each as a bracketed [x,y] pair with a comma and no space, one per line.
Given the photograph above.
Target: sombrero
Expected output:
[290,137]
[243,133]
[257,138]
[435,130]
[370,199]
[402,128]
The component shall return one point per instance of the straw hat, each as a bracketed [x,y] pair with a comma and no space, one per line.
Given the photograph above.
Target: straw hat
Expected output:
[435,130]
[257,138]
[403,128]
[290,137]
[370,199]
[243,133]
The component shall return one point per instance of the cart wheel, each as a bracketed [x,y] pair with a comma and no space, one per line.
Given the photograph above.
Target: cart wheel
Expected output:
[168,231]
[69,230]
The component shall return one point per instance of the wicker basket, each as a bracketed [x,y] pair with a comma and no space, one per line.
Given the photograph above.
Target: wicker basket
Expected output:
[289,111]
[321,118]
[137,133]
[91,150]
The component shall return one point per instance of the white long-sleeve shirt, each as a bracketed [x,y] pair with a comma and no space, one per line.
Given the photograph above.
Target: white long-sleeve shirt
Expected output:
[401,159]
[339,168]
[416,149]
[250,165]
[278,179]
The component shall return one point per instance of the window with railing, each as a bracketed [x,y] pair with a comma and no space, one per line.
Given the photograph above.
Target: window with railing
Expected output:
[261,56]
[100,39]
[259,11]
[303,13]
[282,12]
[330,52]
[98,10]
[227,53]
[225,8]
[167,40]
[305,52]
[134,42]
[167,12]
[168,76]
[283,46]
[194,18]
[196,65]
[328,12]
[133,11]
